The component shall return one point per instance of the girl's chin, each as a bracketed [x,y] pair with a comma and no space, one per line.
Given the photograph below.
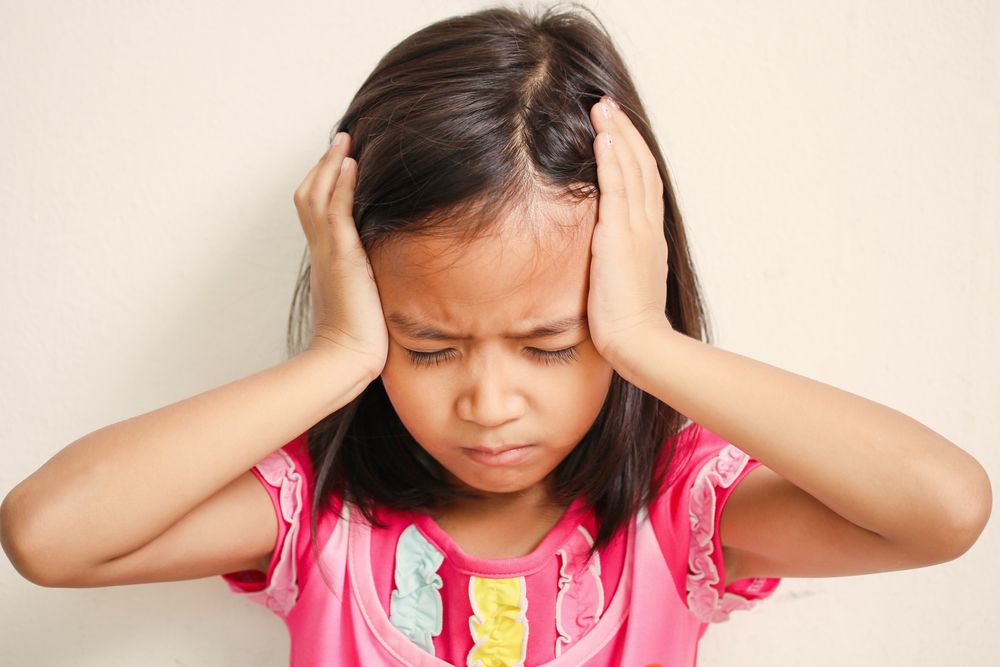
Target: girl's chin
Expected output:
[497,484]
[481,484]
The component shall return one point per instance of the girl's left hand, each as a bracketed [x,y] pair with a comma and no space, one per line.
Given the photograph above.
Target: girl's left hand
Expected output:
[628,266]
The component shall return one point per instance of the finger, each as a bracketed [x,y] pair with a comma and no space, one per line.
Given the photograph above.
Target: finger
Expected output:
[652,182]
[301,201]
[613,199]
[326,175]
[608,120]
[340,215]
[312,196]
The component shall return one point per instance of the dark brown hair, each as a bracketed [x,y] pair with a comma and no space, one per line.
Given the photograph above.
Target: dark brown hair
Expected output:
[456,122]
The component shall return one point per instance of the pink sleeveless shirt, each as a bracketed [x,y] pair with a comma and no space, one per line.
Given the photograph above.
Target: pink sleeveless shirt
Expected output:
[407,594]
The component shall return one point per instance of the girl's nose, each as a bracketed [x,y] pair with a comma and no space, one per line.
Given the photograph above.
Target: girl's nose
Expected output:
[490,398]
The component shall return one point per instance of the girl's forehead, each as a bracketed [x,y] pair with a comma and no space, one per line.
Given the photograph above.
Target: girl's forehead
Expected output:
[519,244]
[504,275]
[490,262]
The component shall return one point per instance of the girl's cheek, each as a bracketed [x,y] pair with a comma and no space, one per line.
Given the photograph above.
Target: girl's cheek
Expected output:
[396,370]
[391,378]
[399,378]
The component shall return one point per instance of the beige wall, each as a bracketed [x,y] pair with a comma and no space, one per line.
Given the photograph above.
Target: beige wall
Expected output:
[838,164]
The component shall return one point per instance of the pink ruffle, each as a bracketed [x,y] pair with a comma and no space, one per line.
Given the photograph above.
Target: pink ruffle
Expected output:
[278,469]
[703,576]
[580,600]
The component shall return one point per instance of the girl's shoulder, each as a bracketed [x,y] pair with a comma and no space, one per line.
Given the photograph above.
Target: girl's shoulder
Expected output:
[693,455]
[288,476]
[292,466]
[685,516]
[699,470]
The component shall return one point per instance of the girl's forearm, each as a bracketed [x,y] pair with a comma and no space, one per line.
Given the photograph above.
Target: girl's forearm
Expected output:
[116,489]
[869,463]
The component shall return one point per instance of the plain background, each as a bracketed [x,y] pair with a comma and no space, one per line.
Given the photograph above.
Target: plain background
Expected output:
[838,165]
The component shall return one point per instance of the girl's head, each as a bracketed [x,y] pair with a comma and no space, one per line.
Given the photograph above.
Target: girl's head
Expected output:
[475,200]
[465,368]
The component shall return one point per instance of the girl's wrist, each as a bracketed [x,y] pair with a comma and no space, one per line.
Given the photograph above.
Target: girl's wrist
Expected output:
[629,355]
[355,364]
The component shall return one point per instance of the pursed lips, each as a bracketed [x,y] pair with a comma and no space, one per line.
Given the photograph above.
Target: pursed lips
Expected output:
[496,450]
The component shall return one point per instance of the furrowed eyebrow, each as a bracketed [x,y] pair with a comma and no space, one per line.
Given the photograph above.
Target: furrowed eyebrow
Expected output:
[415,328]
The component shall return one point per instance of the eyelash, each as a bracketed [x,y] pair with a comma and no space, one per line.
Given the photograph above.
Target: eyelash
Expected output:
[546,357]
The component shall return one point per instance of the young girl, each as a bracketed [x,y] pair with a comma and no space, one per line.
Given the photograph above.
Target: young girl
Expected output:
[507,441]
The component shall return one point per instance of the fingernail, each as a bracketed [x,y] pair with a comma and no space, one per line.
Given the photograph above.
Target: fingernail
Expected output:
[605,109]
[338,138]
[611,101]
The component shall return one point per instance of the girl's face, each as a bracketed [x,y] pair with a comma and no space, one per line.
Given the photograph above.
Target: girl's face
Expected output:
[464,370]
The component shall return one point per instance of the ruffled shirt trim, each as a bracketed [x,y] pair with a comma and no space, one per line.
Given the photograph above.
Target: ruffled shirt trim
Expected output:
[278,470]
[394,643]
[580,600]
[415,606]
[703,576]
[499,624]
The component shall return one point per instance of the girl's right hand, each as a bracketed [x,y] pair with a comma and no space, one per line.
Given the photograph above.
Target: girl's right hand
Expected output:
[346,309]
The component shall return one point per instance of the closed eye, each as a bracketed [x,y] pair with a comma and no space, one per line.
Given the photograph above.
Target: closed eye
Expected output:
[564,356]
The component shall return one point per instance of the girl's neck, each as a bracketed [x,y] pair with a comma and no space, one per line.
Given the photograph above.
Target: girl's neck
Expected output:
[499,530]
[537,500]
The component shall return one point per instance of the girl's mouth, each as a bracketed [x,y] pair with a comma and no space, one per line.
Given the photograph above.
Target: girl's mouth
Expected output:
[500,457]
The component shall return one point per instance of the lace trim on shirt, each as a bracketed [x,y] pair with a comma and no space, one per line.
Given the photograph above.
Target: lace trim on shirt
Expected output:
[499,625]
[703,597]
[278,469]
[415,606]
[580,601]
